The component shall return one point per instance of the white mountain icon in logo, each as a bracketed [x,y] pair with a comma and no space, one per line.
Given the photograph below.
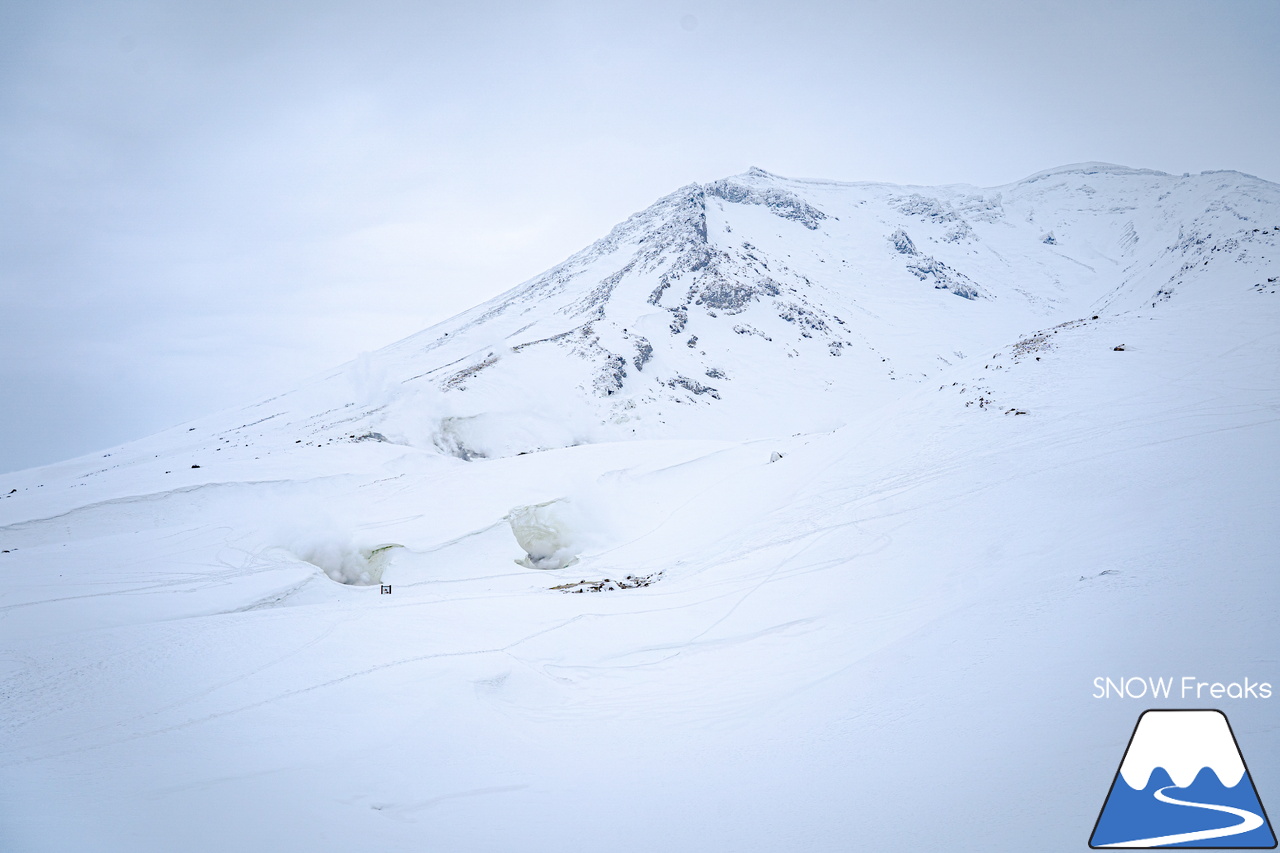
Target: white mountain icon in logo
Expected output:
[1183,783]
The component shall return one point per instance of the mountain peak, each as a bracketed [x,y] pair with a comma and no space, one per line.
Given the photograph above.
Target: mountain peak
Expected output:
[690,316]
[755,305]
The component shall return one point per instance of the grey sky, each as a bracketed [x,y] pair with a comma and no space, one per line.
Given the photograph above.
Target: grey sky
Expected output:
[202,203]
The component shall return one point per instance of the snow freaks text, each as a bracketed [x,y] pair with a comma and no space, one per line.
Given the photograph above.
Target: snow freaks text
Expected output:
[1186,687]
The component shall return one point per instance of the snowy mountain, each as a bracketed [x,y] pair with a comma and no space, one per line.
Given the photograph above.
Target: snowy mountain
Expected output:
[853,489]
[695,317]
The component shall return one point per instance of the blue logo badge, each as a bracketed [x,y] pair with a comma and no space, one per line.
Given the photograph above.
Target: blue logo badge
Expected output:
[1183,783]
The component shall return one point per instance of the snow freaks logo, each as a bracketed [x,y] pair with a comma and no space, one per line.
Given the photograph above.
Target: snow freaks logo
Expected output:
[1183,783]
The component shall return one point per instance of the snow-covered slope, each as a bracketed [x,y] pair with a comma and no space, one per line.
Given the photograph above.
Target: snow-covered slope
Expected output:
[865,484]
[701,315]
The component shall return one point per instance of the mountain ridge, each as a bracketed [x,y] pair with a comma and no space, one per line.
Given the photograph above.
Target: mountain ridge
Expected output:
[690,316]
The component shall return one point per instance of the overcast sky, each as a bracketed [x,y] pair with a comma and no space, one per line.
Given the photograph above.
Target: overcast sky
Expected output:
[204,203]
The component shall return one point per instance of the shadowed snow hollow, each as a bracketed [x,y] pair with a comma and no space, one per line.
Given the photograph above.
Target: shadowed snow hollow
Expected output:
[341,559]
[547,533]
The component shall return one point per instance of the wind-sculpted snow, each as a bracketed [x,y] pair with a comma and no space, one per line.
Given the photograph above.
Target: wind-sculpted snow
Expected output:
[902,242]
[549,533]
[944,278]
[778,201]
[340,558]
[925,209]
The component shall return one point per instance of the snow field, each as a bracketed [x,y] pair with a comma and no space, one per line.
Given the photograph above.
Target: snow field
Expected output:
[883,640]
